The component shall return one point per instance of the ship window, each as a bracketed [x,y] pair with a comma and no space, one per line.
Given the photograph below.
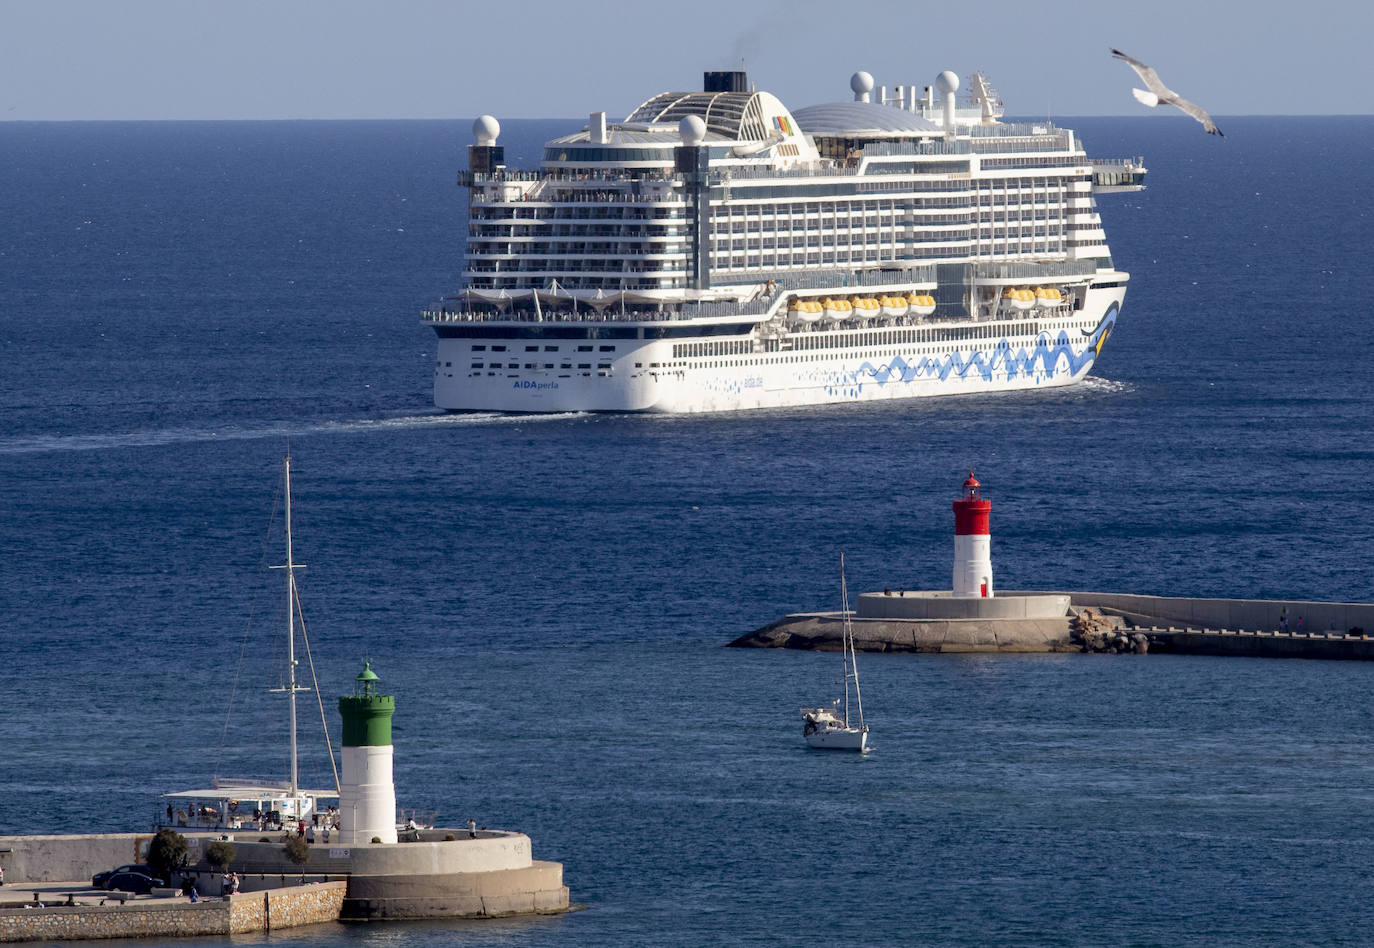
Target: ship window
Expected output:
[498,348]
[566,365]
[550,348]
[529,365]
[531,348]
[584,348]
[448,365]
[608,348]
[479,348]
[548,365]
[477,365]
[584,365]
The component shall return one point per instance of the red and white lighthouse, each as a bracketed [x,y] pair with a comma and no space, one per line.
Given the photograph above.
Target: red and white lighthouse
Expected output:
[972,543]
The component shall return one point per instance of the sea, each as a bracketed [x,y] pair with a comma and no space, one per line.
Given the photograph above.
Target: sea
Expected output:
[183,304]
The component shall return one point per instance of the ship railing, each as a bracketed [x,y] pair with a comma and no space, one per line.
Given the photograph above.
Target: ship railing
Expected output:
[592,197]
[581,315]
[765,287]
[1036,271]
[570,177]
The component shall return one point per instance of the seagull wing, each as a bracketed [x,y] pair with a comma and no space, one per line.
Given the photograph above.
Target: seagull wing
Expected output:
[1148,76]
[1197,112]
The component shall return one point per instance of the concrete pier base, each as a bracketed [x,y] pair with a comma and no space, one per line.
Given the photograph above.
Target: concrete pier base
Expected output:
[447,873]
[823,632]
[1033,622]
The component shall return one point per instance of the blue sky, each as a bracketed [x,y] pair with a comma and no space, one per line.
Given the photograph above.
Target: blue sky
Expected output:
[255,59]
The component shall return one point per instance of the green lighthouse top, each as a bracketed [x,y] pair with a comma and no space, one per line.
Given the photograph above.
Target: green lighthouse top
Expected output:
[367,679]
[366,714]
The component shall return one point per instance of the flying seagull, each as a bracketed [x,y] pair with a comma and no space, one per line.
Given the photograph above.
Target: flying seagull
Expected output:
[1160,94]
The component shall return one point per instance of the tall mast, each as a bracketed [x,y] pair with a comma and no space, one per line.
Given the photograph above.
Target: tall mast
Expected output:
[291,630]
[844,645]
[291,687]
[851,659]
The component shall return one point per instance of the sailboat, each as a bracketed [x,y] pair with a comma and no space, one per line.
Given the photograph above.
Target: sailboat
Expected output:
[825,727]
[262,805]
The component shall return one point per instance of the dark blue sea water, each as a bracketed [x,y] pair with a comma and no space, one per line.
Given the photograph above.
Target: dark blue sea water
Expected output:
[181,303]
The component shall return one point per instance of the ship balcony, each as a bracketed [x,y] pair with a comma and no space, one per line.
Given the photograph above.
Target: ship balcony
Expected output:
[1117,175]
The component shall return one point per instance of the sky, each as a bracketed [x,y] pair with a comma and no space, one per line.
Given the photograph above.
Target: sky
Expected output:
[63,60]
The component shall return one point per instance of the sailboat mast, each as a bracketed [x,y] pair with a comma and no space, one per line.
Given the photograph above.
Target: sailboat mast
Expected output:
[851,660]
[291,630]
[845,645]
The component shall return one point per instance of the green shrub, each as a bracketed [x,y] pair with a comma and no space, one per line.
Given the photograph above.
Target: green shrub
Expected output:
[297,850]
[219,854]
[167,852]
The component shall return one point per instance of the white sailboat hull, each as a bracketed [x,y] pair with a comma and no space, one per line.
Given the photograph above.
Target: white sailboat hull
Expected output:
[840,738]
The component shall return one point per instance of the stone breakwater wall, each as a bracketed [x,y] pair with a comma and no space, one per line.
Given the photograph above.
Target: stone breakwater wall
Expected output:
[483,877]
[286,908]
[823,632]
[537,889]
[149,918]
[63,858]
[1254,614]
[1093,622]
[448,873]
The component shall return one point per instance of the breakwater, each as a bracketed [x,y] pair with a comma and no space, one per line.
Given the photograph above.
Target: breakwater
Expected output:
[286,907]
[445,873]
[1087,622]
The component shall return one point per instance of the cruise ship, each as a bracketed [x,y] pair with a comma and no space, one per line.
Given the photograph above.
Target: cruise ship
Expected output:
[717,251]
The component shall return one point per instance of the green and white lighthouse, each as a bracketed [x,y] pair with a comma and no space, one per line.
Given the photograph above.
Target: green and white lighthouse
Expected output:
[367,794]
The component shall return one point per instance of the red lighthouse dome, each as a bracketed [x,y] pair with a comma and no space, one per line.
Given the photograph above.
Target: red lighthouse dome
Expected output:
[971,511]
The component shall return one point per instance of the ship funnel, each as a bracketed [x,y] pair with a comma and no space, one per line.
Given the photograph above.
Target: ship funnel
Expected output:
[728,81]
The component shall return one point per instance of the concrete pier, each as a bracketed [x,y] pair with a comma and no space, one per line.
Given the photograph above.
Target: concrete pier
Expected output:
[72,911]
[923,621]
[446,873]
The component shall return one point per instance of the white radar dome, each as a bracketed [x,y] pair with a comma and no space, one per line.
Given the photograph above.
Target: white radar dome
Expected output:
[692,129]
[861,84]
[485,130]
[947,82]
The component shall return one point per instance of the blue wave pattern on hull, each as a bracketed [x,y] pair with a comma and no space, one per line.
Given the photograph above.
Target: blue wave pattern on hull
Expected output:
[1044,354]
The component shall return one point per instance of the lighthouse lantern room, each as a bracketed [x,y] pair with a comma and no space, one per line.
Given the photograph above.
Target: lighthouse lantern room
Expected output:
[972,543]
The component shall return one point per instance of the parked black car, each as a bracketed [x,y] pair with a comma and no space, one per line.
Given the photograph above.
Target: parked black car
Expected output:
[101,880]
[137,882]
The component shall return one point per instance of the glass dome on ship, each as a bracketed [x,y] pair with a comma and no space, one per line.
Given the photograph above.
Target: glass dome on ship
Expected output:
[716,251]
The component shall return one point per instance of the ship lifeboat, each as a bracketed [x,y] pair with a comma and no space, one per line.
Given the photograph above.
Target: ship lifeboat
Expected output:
[1019,298]
[1048,296]
[807,311]
[921,304]
[837,309]
[893,306]
[865,307]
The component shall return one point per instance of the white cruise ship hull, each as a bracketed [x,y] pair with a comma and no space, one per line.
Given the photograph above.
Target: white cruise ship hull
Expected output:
[871,364]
